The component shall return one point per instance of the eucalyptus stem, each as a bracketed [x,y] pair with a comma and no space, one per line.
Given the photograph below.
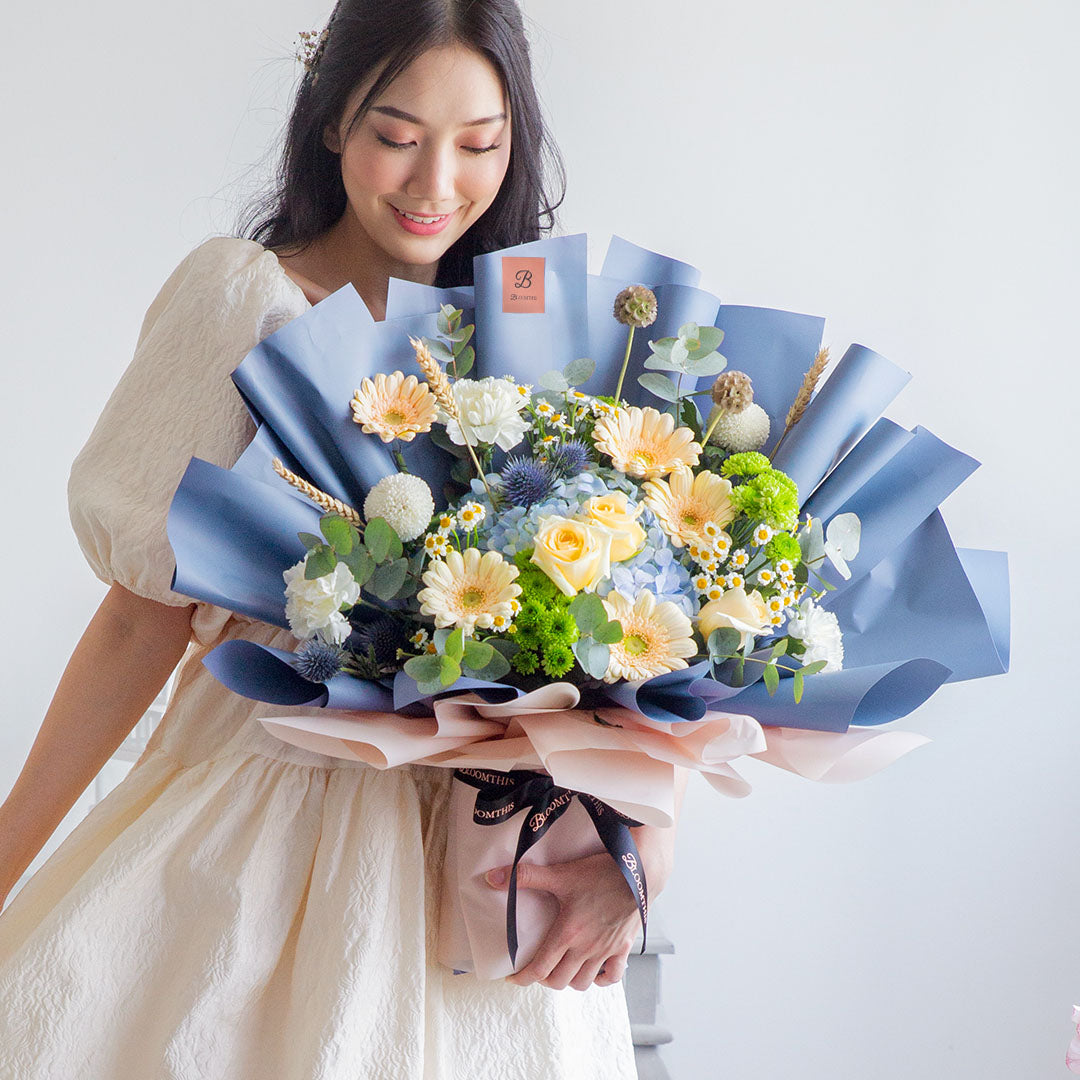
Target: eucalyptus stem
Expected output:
[625,364]
[711,428]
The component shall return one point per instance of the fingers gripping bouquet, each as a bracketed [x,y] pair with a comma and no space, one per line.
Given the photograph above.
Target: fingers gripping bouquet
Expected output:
[562,576]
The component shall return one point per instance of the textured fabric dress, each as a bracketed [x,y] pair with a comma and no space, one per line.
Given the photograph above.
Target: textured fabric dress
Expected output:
[237,908]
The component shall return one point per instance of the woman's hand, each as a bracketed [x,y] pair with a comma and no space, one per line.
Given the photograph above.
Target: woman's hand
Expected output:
[595,928]
[592,935]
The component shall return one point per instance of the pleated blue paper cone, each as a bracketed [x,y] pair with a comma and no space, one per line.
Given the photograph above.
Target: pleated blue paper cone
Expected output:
[914,613]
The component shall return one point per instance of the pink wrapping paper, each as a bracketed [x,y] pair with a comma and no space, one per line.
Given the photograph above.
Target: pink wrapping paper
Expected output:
[623,758]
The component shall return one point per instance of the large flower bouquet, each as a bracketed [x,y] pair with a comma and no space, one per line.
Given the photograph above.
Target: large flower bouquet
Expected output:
[517,537]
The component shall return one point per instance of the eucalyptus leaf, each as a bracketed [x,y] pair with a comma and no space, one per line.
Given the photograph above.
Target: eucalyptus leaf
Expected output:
[660,363]
[779,649]
[706,366]
[378,536]
[360,564]
[455,644]
[659,385]
[477,654]
[462,335]
[310,540]
[608,633]
[438,350]
[338,532]
[553,380]
[588,611]
[579,371]
[680,354]
[439,437]
[812,543]
[424,669]
[388,578]
[797,686]
[494,670]
[771,678]
[842,539]
[709,338]
[320,562]
[723,641]
[464,362]
[688,330]
[814,668]
[449,670]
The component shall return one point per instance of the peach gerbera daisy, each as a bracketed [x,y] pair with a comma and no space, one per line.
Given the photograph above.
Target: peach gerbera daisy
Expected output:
[685,503]
[469,589]
[644,442]
[394,407]
[656,637]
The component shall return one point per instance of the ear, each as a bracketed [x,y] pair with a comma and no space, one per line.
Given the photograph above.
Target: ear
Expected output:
[331,139]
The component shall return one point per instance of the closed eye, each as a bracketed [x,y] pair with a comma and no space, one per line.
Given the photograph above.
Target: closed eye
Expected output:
[470,149]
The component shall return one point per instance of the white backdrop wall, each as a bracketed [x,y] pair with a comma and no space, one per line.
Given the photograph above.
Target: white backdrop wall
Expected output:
[907,170]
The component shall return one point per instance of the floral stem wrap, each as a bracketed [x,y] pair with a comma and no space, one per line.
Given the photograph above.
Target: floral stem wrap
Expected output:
[501,795]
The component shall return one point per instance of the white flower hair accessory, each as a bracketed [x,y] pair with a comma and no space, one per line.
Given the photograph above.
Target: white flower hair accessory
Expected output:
[310,47]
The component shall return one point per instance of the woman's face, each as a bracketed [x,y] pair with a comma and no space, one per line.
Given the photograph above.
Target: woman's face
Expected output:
[445,164]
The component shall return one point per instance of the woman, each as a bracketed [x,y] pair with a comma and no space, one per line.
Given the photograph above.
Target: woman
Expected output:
[238,907]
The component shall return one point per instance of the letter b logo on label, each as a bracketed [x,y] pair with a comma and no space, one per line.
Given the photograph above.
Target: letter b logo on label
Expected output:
[523,285]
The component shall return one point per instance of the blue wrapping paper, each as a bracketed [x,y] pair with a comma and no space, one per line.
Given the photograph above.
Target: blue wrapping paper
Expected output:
[915,613]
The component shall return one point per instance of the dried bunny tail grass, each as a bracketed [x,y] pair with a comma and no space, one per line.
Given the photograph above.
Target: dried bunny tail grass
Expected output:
[320,498]
[436,378]
[806,391]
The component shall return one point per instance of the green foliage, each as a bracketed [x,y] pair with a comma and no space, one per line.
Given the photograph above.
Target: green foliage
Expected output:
[660,386]
[320,561]
[381,540]
[692,352]
[454,350]
[574,374]
[340,534]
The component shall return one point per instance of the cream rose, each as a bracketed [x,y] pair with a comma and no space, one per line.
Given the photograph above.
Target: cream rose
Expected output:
[615,511]
[576,555]
[746,613]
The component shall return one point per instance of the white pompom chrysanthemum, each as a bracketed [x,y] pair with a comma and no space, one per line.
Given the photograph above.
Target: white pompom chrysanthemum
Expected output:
[404,501]
[741,431]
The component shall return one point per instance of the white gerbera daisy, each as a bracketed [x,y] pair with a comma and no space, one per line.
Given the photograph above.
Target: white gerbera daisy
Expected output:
[657,637]
[468,589]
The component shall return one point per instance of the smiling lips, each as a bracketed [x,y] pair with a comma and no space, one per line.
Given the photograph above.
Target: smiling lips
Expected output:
[426,227]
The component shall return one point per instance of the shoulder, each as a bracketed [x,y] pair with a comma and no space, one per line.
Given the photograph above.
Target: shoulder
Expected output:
[227,282]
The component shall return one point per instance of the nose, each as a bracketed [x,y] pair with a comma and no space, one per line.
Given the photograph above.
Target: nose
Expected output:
[433,179]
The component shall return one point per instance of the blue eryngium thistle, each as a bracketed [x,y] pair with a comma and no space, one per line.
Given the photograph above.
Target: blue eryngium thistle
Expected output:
[569,459]
[382,636]
[318,660]
[525,481]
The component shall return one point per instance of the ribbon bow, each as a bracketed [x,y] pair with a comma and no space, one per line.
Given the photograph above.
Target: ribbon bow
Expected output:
[501,795]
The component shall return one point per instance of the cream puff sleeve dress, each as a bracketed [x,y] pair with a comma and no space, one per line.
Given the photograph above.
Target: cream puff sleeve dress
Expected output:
[238,908]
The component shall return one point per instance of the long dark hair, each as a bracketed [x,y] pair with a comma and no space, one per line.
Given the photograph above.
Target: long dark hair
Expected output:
[308,195]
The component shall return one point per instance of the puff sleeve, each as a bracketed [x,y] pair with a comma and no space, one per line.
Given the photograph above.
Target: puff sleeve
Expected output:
[174,401]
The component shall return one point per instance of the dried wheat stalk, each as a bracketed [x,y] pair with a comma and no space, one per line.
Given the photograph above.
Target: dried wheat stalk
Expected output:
[320,498]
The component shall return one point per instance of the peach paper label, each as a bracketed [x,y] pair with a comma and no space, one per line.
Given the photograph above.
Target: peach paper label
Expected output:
[523,285]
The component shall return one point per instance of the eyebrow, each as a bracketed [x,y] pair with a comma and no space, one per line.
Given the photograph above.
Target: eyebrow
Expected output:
[389,110]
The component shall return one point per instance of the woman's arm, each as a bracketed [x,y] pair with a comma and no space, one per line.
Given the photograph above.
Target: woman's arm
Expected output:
[123,659]
[598,916]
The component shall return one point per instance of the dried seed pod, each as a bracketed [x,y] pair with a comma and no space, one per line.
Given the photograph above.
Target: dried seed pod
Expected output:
[636,306]
[732,392]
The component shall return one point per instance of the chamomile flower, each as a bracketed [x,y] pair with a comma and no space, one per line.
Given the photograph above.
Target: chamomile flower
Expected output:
[736,581]
[430,648]
[716,590]
[446,523]
[762,535]
[722,545]
[419,639]
[524,389]
[702,583]
[775,605]
[500,622]
[723,581]
[766,576]
[776,619]
[784,567]
[739,559]
[431,542]
[515,607]
[471,514]
[789,599]
[545,408]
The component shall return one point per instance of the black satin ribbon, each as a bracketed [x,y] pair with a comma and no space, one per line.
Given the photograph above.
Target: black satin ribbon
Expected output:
[501,795]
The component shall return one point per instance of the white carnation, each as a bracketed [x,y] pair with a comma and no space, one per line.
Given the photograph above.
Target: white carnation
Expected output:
[314,607]
[819,631]
[404,501]
[491,411]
